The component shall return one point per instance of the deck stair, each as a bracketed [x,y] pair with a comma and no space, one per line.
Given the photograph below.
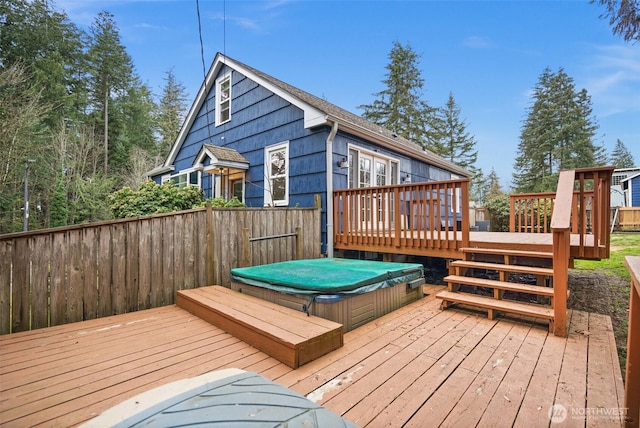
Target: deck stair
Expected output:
[505,265]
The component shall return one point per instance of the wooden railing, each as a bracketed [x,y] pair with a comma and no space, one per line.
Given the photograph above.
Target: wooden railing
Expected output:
[417,216]
[632,379]
[531,212]
[586,214]
[588,211]
[561,229]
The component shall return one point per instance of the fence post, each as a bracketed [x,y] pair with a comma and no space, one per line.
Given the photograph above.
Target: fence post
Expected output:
[210,258]
[246,248]
[299,244]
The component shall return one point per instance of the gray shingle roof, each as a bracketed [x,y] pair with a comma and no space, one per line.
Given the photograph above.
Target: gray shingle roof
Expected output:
[343,115]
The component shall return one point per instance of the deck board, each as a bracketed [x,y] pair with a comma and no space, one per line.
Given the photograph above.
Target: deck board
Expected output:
[417,365]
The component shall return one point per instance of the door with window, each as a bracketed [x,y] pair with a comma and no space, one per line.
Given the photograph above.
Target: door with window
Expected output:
[373,209]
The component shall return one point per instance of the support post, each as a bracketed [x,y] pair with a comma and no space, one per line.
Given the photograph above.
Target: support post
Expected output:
[632,377]
[211,255]
[299,244]
[560,280]
[246,248]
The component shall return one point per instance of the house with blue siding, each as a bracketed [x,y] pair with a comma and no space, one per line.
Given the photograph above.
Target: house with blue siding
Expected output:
[631,189]
[269,144]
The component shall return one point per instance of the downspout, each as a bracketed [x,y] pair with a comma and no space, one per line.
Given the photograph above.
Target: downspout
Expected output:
[332,134]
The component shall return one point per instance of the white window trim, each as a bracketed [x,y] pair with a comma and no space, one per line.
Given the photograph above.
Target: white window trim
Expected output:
[268,201]
[376,155]
[219,81]
[183,172]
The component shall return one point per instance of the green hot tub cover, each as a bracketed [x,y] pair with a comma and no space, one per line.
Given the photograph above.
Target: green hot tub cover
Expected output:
[328,275]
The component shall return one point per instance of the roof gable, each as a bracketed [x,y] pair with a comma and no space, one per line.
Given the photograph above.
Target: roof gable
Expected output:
[317,112]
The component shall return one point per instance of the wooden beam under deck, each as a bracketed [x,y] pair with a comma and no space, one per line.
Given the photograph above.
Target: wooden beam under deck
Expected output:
[415,366]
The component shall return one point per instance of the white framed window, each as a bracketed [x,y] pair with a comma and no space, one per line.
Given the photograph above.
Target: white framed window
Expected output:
[223,99]
[276,171]
[368,168]
[185,178]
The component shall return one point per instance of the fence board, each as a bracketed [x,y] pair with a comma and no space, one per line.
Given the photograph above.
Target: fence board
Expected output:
[178,252]
[168,260]
[40,256]
[89,267]
[105,305]
[189,253]
[118,270]
[132,257]
[5,285]
[82,272]
[74,289]
[57,282]
[157,270]
[144,266]
[21,285]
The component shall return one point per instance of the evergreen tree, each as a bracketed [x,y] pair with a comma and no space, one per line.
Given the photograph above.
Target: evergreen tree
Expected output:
[624,17]
[558,133]
[621,157]
[453,142]
[111,75]
[399,107]
[170,116]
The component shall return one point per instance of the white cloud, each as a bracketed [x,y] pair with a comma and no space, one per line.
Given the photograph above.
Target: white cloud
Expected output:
[612,78]
[478,42]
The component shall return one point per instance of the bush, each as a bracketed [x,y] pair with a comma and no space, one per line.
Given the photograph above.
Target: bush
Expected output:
[152,198]
[499,210]
[221,202]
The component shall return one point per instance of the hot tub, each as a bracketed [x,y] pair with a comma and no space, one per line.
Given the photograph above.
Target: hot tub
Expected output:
[350,292]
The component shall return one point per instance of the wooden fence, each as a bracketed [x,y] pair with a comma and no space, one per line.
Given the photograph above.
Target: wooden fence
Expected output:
[629,217]
[57,276]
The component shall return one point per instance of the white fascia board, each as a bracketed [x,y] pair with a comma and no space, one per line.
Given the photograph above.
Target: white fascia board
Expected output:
[193,111]
[312,116]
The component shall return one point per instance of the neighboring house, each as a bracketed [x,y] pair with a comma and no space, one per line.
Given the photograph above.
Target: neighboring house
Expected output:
[617,193]
[631,189]
[268,143]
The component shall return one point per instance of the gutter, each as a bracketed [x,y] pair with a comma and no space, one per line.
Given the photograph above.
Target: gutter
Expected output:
[329,172]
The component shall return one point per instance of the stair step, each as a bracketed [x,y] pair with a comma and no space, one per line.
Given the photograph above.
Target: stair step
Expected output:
[502,267]
[498,251]
[499,305]
[500,285]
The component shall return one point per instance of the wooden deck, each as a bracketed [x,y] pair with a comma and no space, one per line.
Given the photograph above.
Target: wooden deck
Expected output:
[448,244]
[418,366]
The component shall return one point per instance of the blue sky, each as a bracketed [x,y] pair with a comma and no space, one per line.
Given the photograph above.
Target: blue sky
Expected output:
[489,54]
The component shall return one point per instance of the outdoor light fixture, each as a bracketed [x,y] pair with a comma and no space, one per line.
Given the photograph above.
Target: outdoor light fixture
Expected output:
[344,163]
[406,179]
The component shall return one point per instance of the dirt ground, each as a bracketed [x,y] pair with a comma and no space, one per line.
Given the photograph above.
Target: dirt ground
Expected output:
[599,292]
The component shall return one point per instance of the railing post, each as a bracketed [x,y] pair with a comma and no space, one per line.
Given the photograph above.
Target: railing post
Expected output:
[632,378]
[465,213]
[561,229]
[561,240]
[512,213]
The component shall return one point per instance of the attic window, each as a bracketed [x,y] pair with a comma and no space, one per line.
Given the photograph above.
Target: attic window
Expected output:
[223,99]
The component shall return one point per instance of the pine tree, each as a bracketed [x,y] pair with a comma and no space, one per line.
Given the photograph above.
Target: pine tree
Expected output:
[621,157]
[624,17]
[111,74]
[557,134]
[399,107]
[171,112]
[453,142]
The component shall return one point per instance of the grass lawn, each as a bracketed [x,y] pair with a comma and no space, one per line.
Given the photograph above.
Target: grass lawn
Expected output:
[622,244]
